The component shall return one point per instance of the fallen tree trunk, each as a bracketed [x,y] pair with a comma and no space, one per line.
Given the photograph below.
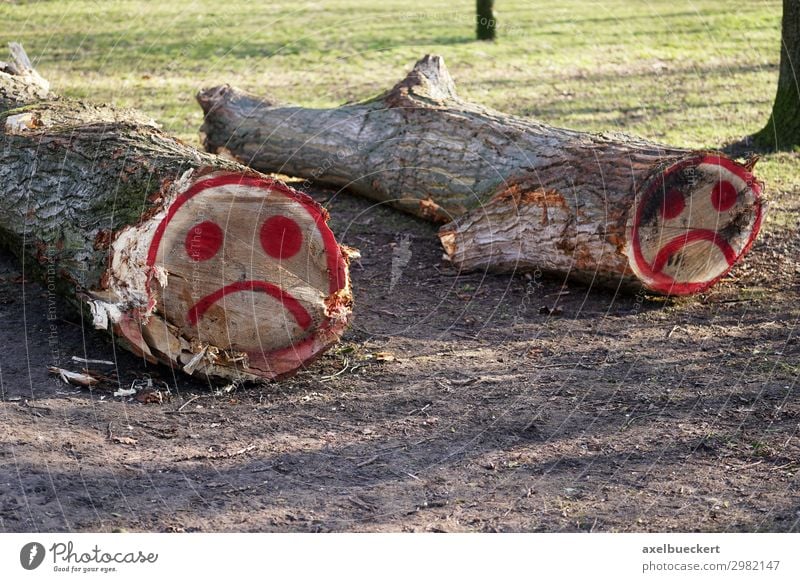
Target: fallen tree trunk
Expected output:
[516,193]
[191,260]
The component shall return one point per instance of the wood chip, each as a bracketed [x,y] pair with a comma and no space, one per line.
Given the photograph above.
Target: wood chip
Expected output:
[123,440]
[125,392]
[98,362]
[74,378]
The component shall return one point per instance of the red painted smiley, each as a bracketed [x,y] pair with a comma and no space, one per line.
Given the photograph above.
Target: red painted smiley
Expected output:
[693,224]
[249,263]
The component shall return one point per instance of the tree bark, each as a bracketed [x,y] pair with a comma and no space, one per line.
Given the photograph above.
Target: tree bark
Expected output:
[782,131]
[516,193]
[486,25]
[191,260]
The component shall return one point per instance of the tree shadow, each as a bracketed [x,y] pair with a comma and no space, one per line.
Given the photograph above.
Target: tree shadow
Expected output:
[409,459]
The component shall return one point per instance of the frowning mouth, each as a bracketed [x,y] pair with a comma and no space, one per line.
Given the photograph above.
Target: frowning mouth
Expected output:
[291,304]
[699,234]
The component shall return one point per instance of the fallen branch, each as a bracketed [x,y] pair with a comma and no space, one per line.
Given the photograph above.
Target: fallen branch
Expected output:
[516,193]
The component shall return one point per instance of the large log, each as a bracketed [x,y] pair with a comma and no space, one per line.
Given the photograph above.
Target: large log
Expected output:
[192,260]
[517,194]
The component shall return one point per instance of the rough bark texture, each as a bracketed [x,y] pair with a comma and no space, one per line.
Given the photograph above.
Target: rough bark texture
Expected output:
[517,193]
[782,131]
[109,211]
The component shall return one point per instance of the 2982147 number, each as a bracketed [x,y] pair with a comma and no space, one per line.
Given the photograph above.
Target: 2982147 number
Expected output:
[747,565]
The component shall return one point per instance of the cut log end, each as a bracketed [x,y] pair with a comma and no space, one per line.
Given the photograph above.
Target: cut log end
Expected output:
[693,223]
[243,274]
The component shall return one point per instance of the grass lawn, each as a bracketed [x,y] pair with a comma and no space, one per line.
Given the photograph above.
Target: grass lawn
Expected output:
[689,73]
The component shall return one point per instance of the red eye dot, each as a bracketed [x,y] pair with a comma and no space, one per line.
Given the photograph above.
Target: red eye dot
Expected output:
[724,195]
[673,204]
[203,241]
[281,237]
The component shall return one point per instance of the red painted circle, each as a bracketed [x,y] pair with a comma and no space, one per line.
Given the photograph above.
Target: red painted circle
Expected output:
[724,195]
[281,237]
[285,360]
[673,204]
[203,241]
[662,283]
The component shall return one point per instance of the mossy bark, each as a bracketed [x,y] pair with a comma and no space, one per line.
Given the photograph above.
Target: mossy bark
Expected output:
[73,174]
[782,131]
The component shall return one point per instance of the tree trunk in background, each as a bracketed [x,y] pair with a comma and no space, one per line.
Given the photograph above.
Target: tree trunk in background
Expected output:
[782,131]
[192,260]
[520,194]
[486,23]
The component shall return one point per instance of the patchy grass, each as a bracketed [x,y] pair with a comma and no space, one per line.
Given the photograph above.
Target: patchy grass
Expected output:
[688,73]
[685,72]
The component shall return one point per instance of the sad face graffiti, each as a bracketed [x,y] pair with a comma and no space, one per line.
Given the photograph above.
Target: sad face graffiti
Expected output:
[693,223]
[249,264]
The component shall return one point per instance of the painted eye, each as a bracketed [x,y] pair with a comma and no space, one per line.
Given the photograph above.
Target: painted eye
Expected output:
[673,204]
[723,195]
[203,241]
[281,237]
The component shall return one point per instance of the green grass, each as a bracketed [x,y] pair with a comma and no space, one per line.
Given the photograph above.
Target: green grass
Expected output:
[690,73]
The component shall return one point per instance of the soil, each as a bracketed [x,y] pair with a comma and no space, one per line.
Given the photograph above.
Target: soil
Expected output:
[457,402]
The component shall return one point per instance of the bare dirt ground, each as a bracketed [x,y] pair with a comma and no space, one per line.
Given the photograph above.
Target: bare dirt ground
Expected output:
[458,402]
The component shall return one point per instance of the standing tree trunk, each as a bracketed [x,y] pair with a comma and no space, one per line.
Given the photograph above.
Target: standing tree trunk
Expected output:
[486,23]
[520,194]
[782,131]
[192,260]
